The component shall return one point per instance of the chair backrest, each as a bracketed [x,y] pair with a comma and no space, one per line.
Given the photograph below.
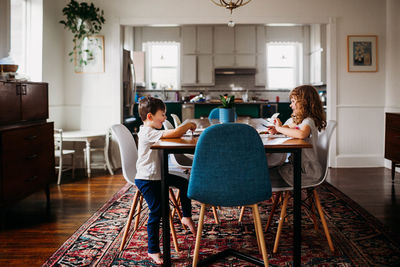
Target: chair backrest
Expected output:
[58,141]
[167,125]
[214,114]
[229,167]
[128,151]
[176,119]
[323,143]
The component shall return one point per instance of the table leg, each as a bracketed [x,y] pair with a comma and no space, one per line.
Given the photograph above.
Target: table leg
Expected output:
[165,211]
[88,158]
[107,159]
[297,209]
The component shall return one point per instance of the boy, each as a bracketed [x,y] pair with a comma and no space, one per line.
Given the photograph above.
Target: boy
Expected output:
[148,177]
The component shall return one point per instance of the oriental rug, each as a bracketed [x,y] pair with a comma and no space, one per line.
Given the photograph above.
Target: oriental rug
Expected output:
[358,237]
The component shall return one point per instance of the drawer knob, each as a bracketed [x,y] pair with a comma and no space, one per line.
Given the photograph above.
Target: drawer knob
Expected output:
[31,179]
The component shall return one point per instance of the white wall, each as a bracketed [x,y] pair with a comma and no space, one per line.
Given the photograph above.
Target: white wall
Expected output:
[93,100]
[4,28]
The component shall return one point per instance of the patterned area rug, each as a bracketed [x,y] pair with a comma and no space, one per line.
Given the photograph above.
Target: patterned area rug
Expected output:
[358,237]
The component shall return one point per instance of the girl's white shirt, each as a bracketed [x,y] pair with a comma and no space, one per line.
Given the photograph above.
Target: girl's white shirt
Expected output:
[149,160]
[311,170]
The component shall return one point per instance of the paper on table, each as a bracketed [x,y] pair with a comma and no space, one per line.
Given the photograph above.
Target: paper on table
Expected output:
[270,121]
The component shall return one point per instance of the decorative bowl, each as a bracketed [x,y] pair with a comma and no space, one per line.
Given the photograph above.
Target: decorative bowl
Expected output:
[8,68]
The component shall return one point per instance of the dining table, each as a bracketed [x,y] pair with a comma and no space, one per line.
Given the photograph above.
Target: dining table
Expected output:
[272,144]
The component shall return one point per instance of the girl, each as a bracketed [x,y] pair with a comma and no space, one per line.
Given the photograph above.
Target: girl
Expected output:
[307,120]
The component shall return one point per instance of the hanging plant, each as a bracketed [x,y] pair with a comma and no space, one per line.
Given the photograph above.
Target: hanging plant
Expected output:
[83,20]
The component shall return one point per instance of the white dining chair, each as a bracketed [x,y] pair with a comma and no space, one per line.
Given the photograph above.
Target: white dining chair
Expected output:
[279,186]
[129,156]
[176,119]
[60,153]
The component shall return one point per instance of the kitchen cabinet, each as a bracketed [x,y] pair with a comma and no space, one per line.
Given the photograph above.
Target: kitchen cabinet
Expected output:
[23,102]
[197,61]
[245,39]
[189,39]
[392,140]
[245,61]
[205,70]
[204,40]
[26,141]
[261,70]
[224,40]
[197,70]
[188,70]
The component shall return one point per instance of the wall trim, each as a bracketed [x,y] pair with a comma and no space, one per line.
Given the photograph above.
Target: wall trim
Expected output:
[360,160]
[360,106]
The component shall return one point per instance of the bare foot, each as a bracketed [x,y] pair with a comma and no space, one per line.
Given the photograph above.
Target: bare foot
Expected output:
[156,257]
[189,223]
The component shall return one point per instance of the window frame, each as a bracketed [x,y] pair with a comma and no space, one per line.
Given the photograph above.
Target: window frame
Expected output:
[148,48]
[297,66]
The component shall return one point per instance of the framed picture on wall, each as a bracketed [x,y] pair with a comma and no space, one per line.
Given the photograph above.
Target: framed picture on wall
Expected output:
[362,53]
[91,52]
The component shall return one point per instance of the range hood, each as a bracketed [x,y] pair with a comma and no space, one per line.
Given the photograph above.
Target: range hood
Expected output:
[235,71]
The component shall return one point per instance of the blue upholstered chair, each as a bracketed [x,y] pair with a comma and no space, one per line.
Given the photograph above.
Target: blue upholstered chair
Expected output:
[229,170]
[214,114]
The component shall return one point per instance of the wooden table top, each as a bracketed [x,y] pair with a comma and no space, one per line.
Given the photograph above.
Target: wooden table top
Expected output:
[269,141]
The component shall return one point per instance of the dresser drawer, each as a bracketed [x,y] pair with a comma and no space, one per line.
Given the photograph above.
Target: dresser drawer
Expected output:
[30,137]
[392,144]
[26,175]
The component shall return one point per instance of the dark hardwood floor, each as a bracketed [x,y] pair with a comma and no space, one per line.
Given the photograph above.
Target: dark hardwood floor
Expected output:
[30,234]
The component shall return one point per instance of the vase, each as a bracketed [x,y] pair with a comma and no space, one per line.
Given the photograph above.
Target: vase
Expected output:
[226,115]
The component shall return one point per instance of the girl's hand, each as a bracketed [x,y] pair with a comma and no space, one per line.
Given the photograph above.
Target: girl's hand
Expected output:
[272,130]
[277,123]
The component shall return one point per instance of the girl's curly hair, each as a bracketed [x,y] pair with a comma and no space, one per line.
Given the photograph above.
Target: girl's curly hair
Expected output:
[309,105]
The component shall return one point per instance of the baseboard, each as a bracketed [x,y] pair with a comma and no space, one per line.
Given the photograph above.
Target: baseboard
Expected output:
[349,161]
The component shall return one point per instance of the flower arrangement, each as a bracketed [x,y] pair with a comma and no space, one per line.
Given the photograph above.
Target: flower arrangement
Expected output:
[227,101]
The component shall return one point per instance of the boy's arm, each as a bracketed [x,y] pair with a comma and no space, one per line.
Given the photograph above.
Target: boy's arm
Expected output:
[180,131]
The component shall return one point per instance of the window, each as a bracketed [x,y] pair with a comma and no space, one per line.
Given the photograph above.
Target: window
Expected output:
[284,63]
[162,60]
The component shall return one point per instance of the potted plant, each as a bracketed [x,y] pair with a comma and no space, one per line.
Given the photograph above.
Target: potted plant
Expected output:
[83,20]
[227,110]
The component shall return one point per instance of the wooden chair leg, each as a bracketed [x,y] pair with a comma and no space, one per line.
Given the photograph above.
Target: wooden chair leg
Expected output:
[281,218]
[215,215]
[323,221]
[256,230]
[139,210]
[198,236]
[176,207]
[257,222]
[73,165]
[313,216]
[128,223]
[173,232]
[271,215]
[241,213]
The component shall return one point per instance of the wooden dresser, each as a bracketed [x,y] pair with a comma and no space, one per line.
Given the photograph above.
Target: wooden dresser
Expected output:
[26,141]
[392,140]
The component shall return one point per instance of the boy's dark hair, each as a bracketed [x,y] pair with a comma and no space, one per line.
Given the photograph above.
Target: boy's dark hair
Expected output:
[151,105]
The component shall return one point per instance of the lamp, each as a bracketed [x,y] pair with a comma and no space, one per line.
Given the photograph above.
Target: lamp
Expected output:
[231,4]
